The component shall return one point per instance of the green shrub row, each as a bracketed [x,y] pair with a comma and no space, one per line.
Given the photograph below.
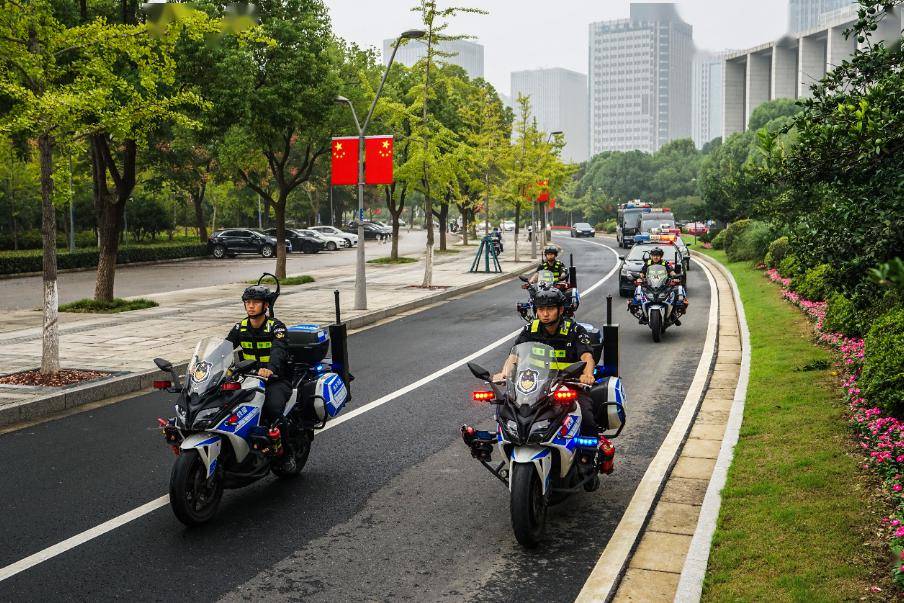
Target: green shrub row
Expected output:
[17,262]
[608,226]
[882,379]
[815,284]
[777,251]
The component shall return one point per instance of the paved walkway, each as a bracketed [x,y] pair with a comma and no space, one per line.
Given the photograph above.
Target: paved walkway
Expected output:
[128,342]
[655,567]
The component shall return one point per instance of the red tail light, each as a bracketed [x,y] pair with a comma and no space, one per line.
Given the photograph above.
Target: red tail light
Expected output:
[232,420]
[162,384]
[484,396]
[230,386]
[565,395]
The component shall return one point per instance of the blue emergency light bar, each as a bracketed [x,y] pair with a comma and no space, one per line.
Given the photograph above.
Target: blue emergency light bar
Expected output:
[641,238]
[587,442]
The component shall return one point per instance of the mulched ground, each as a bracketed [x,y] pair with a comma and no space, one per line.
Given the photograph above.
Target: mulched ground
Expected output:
[64,377]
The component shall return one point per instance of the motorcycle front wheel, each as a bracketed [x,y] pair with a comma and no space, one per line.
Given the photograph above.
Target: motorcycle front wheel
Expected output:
[528,505]
[193,497]
[302,448]
[656,325]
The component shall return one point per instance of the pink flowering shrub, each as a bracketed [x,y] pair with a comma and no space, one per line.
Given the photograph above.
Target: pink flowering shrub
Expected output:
[879,436]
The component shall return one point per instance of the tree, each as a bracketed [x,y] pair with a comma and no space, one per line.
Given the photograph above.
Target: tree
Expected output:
[433,143]
[770,110]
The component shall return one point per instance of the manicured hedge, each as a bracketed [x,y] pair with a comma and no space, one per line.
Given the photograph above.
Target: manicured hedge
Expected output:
[882,379]
[17,262]
[815,284]
[777,251]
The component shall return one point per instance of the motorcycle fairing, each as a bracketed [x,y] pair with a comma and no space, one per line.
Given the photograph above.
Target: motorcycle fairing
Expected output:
[538,455]
[208,447]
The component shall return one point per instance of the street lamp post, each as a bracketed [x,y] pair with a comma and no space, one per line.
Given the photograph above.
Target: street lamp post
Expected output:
[360,283]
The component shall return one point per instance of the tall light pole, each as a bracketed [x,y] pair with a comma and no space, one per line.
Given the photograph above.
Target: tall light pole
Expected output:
[360,283]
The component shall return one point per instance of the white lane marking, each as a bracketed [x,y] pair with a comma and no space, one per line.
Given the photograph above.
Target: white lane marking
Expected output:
[110,525]
[601,583]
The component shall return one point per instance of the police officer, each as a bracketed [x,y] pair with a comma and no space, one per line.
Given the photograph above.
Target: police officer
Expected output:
[263,339]
[674,270]
[551,263]
[561,334]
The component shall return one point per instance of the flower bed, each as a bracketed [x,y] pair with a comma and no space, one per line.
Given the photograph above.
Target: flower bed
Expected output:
[881,437]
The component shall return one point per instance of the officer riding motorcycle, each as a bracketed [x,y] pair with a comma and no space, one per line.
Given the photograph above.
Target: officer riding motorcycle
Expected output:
[552,264]
[674,270]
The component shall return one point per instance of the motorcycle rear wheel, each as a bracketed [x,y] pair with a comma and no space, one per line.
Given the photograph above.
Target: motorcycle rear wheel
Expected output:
[656,325]
[528,505]
[193,498]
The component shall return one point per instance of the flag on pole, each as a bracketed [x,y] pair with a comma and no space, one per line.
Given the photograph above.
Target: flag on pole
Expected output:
[378,160]
[345,160]
[544,191]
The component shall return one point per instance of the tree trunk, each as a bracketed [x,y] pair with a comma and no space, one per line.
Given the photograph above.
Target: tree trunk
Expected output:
[443,215]
[517,222]
[110,207]
[50,342]
[197,200]
[464,227]
[279,208]
[395,211]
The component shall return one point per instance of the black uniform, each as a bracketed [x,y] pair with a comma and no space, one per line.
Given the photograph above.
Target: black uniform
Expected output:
[672,268]
[267,345]
[574,340]
[558,269]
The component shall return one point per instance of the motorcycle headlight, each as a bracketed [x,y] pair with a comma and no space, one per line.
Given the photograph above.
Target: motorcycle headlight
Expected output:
[511,427]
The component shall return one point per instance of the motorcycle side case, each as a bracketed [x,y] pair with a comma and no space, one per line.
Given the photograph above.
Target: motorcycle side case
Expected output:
[609,402]
[307,343]
[330,396]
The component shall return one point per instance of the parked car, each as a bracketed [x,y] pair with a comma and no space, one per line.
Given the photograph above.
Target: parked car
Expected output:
[371,231]
[507,226]
[582,229]
[696,228]
[330,242]
[300,242]
[233,241]
[350,239]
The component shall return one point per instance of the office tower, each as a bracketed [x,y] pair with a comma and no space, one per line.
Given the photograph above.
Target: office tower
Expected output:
[468,55]
[640,80]
[558,99]
[706,117]
[807,14]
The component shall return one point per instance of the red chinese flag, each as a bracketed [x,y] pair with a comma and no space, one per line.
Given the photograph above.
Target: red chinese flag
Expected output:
[378,160]
[544,191]
[544,196]
[552,204]
[345,160]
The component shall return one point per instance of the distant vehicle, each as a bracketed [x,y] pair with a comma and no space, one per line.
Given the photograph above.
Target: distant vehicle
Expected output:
[633,263]
[696,228]
[507,226]
[659,220]
[402,222]
[371,231]
[350,239]
[233,241]
[627,222]
[582,229]
[330,242]
[300,242]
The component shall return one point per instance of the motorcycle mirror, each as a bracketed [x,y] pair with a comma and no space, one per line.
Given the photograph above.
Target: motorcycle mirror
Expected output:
[574,369]
[164,365]
[244,365]
[621,257]
[524,278]
[479,372]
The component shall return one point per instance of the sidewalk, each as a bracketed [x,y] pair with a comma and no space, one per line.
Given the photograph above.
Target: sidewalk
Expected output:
[655,567]
[125,344]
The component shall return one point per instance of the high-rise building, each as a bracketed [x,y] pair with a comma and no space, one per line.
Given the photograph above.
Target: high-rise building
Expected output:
[468,55]
[558,99]
[706,115]
[807,14]
[640,80]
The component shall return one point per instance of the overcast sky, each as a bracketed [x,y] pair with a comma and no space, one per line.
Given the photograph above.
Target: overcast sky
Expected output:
[527,34]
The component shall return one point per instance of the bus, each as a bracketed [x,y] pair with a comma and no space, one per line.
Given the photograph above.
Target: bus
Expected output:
[628,221]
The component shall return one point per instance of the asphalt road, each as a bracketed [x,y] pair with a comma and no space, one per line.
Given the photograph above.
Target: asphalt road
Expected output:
[390,505]
[26,292]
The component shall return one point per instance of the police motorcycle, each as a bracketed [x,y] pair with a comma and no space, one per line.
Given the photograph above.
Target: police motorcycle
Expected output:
[546,280]
[655,300]
[217,435]
[538,425]
[496,235]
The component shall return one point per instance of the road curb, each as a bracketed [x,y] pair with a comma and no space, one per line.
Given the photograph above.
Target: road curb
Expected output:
[118,385]
[604,579]
[690,584]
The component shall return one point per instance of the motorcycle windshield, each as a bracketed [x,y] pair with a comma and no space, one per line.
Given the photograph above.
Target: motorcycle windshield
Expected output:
[546,276]
[212,357]
[536,366]
[656,276]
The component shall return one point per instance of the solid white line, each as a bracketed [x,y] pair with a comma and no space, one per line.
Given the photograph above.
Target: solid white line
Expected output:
[690,585]
[110,525]
[600,584]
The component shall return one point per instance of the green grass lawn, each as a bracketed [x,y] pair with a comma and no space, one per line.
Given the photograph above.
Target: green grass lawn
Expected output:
[289,280]
[111,307]
[389,260]
[795,507]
